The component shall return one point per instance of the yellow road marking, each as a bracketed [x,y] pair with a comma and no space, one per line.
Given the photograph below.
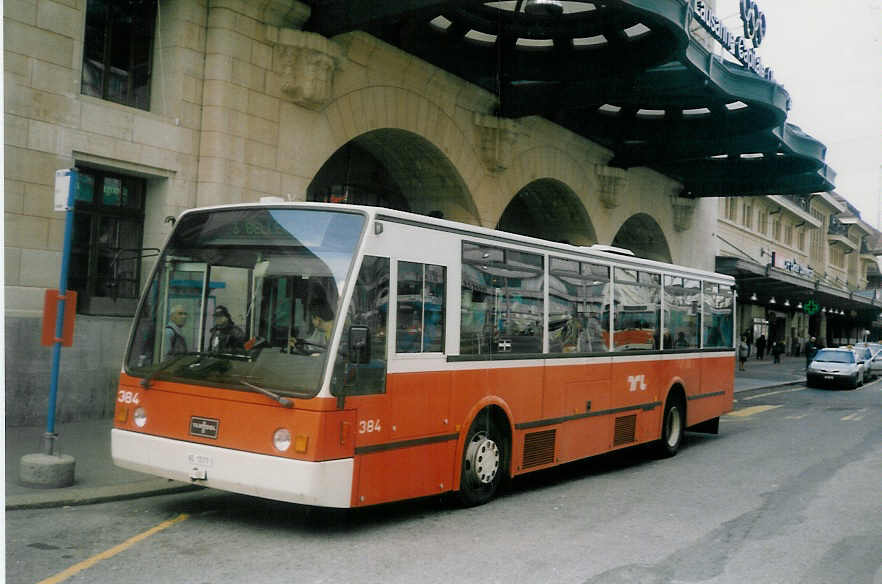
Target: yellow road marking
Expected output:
[76,568]
[751,411]
[855,417]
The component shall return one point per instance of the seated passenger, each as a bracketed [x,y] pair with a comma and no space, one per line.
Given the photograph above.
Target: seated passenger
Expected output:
[225,337]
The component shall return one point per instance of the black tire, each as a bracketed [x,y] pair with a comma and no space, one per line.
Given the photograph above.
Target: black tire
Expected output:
[673,428]
[484,461]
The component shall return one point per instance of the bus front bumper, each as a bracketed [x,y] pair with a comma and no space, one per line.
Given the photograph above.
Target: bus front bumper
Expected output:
[325,484]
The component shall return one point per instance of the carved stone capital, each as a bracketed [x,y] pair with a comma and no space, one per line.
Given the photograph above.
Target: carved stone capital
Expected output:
[613,182]
[497,138]
[306,64]
[684,210]
[287,13]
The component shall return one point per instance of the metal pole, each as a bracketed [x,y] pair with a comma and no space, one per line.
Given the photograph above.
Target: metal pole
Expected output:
[50,436]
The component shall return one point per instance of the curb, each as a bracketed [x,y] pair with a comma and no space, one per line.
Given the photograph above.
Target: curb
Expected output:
[88,496]
[772,386]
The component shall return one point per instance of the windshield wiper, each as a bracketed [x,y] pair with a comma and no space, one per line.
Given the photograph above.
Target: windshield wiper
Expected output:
[145,383]
[284,401]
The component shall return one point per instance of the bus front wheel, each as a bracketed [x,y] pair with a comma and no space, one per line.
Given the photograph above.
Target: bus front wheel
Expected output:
[484,461]
[673,427]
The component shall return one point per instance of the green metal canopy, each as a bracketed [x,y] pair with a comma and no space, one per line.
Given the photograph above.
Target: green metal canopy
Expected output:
[626,74]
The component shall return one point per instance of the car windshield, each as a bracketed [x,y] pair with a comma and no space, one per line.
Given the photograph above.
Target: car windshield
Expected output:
[826,356]
[246,297]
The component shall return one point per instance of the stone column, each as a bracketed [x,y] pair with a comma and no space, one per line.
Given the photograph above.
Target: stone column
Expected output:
[241,97]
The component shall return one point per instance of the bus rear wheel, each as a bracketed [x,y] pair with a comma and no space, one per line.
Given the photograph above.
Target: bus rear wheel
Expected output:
[484,461]
[673,428]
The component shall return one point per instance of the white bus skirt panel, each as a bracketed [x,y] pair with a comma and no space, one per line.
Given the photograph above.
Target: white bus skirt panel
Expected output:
[325,484]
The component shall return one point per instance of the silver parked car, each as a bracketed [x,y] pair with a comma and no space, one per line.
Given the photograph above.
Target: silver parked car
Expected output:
[873,365]
[835,367]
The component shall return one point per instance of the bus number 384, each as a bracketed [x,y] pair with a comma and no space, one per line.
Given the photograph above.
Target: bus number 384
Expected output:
[127,397]
[368,426]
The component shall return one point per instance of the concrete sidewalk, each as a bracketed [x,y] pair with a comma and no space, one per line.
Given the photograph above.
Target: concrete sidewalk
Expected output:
[765,373]
[98,480]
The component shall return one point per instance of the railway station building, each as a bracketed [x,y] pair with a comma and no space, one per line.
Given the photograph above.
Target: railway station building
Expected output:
[640,124]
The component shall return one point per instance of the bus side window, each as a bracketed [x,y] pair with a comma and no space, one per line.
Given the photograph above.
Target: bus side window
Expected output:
[578,296]
[502,301]
[718,324]
[421,307]
[637,308]
[368,308]
[682,314]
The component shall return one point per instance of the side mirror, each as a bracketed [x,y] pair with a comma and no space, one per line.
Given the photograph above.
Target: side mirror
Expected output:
[359,344]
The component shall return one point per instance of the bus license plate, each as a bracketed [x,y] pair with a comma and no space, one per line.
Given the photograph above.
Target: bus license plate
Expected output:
[200,460]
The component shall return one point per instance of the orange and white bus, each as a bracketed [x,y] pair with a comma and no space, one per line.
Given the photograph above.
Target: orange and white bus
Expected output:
[383,355]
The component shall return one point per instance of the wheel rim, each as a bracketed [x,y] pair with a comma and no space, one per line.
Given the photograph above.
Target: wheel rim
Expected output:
[674,425]
[482,459]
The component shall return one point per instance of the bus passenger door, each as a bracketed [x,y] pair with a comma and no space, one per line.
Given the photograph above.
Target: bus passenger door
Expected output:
[419,387]
[396,425]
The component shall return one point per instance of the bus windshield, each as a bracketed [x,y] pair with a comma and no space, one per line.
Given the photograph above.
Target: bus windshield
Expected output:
[246,297]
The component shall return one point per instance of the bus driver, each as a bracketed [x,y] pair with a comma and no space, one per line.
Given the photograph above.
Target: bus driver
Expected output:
[322,319]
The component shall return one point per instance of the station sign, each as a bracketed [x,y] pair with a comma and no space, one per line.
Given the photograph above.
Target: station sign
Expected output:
[744,47]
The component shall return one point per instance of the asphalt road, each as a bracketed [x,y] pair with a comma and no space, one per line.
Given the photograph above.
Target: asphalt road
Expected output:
[788,492]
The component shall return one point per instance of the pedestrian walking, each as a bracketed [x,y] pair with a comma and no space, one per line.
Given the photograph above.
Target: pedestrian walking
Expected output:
[810,349]
[761,347]
[743,352]
[794,347]
[777,349]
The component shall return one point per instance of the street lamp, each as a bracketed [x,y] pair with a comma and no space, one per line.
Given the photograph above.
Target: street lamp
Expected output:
[543,8]
[772,300]
[753,298]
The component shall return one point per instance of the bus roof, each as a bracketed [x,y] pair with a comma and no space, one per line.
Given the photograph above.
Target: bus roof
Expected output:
[597,252]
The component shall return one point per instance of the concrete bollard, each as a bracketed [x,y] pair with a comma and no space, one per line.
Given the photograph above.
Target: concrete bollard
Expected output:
[48,471]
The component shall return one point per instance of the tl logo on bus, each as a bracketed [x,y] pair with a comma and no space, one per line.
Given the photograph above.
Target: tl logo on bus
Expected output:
[636,382]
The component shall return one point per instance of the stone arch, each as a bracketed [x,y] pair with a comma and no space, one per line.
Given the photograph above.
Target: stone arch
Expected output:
[366,118]
[642,235]
[557,165]
[548,209]
[396,169]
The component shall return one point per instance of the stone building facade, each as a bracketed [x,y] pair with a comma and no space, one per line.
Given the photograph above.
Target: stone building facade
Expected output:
[230,101]
[809,248]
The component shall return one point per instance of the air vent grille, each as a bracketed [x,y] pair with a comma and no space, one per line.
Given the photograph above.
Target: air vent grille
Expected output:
[539,448]
[625,430]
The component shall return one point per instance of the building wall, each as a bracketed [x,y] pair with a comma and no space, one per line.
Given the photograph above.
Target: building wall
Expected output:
[50,125]
[243,105]
[740,234]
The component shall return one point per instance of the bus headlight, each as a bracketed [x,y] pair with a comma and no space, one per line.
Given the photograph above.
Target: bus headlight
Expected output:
[282,439]
[140,417]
